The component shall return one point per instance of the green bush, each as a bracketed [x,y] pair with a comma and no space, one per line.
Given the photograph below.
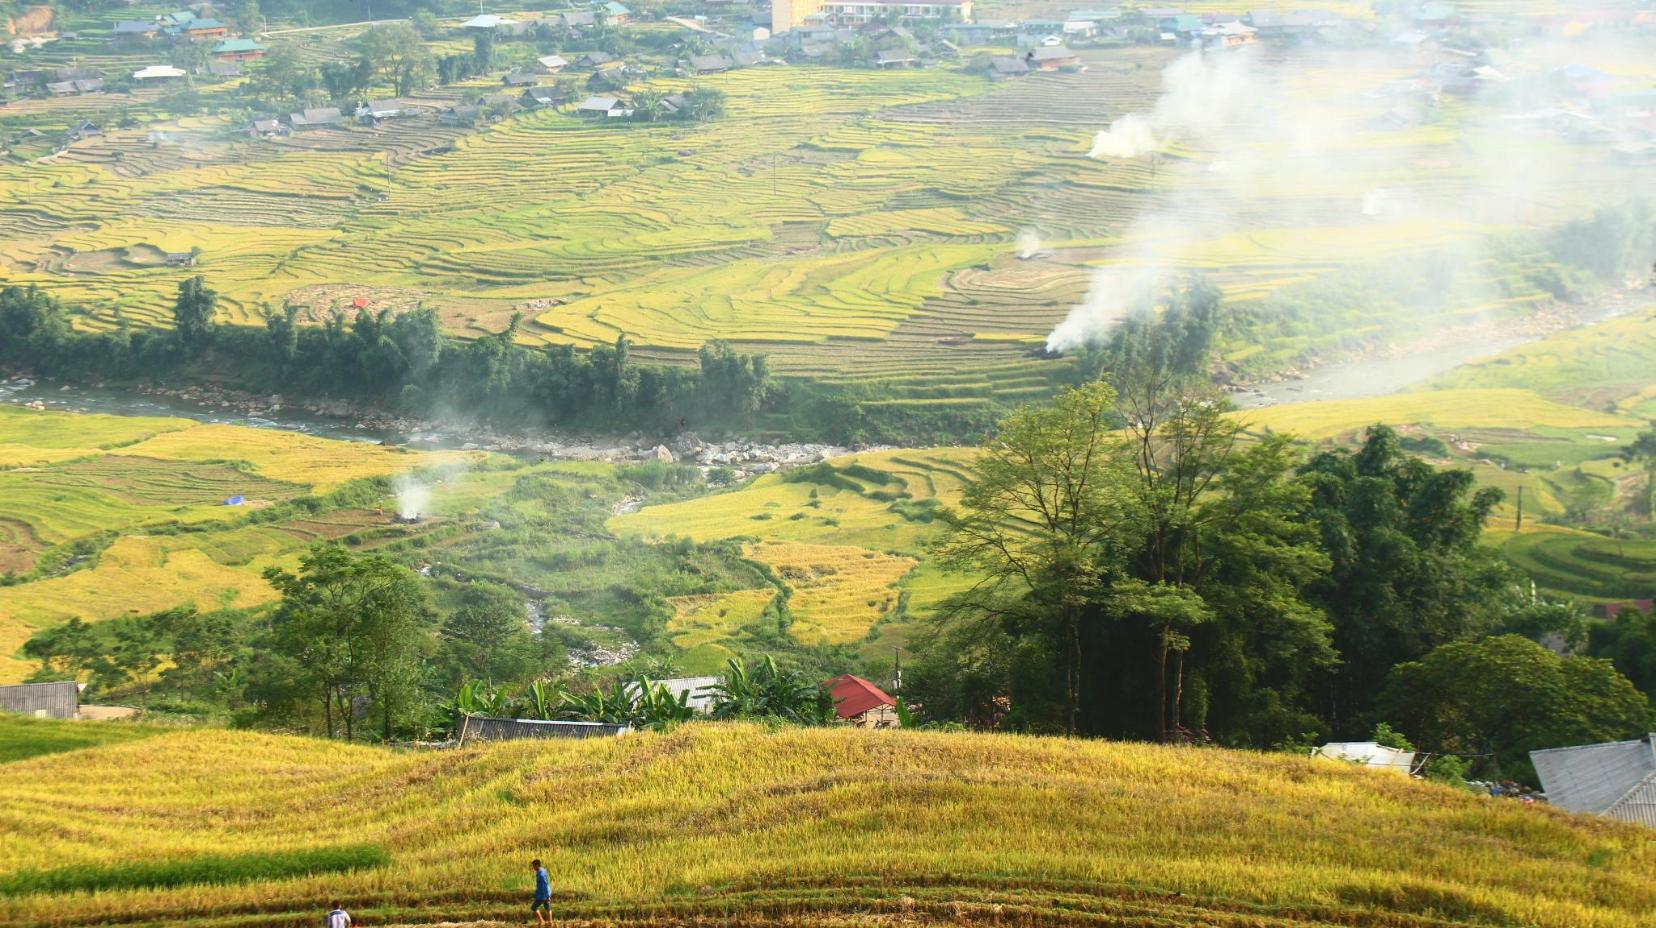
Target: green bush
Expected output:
[239,868]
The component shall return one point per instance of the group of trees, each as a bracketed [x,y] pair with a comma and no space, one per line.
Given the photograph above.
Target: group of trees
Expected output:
[400,361]
[1148,571]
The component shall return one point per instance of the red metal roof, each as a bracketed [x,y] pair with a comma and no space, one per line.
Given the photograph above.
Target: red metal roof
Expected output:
[853,696]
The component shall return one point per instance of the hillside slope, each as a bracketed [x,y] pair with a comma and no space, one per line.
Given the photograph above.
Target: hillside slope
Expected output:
[737,823]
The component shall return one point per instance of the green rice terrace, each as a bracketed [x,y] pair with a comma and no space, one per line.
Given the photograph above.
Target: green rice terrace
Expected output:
[931,224]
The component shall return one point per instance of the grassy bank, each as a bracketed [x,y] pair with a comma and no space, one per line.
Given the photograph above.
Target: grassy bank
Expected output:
[810,827]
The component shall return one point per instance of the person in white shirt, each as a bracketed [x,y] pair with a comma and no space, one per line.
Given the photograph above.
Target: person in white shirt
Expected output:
[339,918]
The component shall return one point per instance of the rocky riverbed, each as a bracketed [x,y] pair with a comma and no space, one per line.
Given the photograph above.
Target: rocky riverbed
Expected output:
[344,420]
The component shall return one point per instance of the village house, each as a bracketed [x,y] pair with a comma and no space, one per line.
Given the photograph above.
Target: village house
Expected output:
[224,69]
[861,703]
[1293,24]
[592,61]
[487,22]
[709,64]
[894,58]
[75,87]
[201,30]
[608,107]
[541,97]
[267,128]
[1181,27]
[1228,35]
[578,19]
[325,117]
[521,78]
[861,12]
[674,103]
[134,31]
[1051,58]
[551,64]
[748,56]
[157,72]
[1616,780]
[616,14]
[238,50]
[29,79]
[465,114]
[375,112]
[1003,67]
[42,700]
[181,259]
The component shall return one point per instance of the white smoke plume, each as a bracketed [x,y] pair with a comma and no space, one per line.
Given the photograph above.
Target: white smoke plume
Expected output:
[1127,137]
[1029,244]
[1254,141]
[413,496]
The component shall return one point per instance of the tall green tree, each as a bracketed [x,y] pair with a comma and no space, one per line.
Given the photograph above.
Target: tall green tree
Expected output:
[1047,519]
[193,314]
[353,628]
[1505,696]
[398,56]
[1629,642]
[1408,573]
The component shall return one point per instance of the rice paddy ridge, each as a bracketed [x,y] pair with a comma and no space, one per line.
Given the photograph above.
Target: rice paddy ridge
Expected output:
[717,824]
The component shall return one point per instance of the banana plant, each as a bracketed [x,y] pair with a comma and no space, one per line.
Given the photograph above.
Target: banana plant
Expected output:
[543,700]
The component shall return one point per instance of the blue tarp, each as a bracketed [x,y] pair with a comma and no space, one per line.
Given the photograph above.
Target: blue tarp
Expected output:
[235,501]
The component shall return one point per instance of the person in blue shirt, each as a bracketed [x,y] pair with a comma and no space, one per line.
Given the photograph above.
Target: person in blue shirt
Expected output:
[542,906]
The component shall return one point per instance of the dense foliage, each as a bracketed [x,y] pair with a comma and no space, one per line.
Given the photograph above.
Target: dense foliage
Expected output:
[1502,697]
[399,361]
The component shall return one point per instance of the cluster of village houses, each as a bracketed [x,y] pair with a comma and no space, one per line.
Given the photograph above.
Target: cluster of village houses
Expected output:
[1584,104]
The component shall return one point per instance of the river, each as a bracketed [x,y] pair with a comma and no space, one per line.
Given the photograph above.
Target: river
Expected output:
[1380,375]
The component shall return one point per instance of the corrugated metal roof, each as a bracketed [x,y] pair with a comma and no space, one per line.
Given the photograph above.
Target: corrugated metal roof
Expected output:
[479,728]
[1593,777]
[853,696]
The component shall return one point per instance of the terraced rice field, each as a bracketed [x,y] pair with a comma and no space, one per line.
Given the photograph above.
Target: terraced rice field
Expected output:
[839,592]
[146,499]
[1442,409]
[854,225]
[1585,567]
[846,538]
[702,626]
[719,824]
[1606,366]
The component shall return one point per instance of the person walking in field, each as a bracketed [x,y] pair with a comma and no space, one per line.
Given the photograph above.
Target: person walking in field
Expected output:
[542,906]
[339,918]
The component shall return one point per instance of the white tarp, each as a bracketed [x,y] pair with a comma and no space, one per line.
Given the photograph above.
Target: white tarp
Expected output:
[1369,754]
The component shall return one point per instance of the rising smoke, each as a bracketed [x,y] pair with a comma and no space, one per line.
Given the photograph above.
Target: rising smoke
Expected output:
[1253,140]
[413,496]
[1029,244]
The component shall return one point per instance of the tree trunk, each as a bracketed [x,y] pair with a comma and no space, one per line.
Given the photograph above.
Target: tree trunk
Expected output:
[327,709]
[1161,689]
[1073,684]
[1178,691]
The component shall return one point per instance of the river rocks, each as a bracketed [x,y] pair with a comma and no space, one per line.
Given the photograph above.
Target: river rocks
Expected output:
[663,455]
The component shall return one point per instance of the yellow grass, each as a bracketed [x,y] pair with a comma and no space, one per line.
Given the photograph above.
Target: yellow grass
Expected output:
[322,463]
[1494,409]
[29,436]
[839,592]
[700,622]
[805,827]
[135,576]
